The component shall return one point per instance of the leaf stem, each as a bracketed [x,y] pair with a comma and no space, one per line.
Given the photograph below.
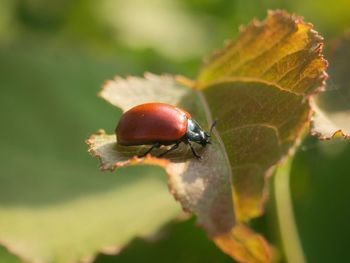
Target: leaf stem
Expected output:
[285,215]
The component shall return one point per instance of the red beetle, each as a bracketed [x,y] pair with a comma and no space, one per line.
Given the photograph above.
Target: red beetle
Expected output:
[160,124]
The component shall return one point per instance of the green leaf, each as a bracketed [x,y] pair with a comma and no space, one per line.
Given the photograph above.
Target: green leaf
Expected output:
[181,243]
[88,225]
[259,88]
[55,206]
[320,191]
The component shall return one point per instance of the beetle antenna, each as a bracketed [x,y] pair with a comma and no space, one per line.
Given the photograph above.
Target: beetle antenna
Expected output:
[212,127]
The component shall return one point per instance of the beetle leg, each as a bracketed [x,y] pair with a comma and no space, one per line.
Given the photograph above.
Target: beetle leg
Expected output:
[193,151]
[175,146]
[156,145]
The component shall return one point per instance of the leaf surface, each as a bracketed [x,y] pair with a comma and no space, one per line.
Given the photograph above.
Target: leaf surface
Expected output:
[258,87]
[244,245]
[202,187]
[125,93]
[268,73]
[282,50]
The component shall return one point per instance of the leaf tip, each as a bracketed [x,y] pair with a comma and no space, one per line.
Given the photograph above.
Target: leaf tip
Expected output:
[104,88]
[244,245]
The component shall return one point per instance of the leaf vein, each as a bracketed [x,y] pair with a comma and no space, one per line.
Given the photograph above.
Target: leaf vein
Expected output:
[266,125]
[257,56]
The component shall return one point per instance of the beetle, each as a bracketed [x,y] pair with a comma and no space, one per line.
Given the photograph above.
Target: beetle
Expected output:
[158,124]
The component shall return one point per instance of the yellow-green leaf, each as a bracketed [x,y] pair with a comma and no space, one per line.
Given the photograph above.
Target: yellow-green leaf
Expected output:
[281,50]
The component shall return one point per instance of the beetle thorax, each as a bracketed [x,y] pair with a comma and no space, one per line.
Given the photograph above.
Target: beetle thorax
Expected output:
[195,133]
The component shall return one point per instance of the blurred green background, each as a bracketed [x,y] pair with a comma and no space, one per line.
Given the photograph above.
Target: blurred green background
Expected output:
[55,56]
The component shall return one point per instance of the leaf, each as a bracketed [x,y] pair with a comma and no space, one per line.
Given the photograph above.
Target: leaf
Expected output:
[282,50]
[6,257]
[255,135]
[55,222]
[55,206]
[268,73]
[320,189]
[259,89]
[126,93]
[332,108]
[244,245]
[181,243]
[202,187]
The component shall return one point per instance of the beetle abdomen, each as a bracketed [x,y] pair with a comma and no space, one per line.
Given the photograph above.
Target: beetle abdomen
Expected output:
[150,123]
